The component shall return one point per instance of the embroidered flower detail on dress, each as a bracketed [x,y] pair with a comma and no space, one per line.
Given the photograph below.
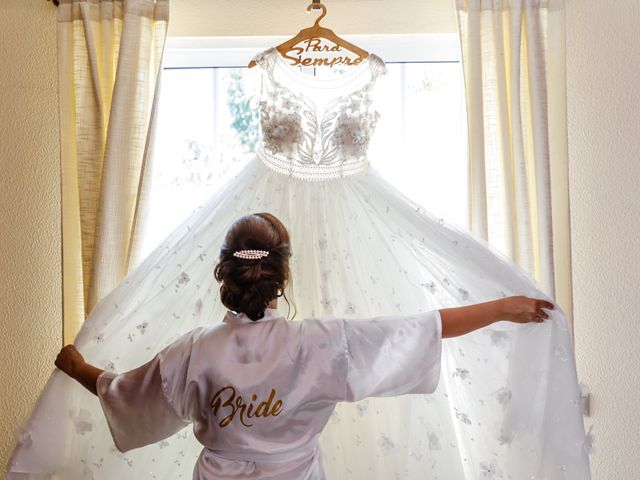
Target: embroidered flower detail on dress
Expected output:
[561,353]
[588,442]
[505,439]
[490,470]
[82,421]
[335,417]
[434,441]
[24,438]
[289,104]
[385,443]
[503,396]
[431,286]
[463,417]
[87,473]
[353,134]
[464,294]
[415,455]
[143,327]
[281,132]
[498,338]
[197,308]
[463,373]
[362,407]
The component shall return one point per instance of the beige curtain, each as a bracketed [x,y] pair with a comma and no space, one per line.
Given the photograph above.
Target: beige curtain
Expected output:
[109,55]
[513,62]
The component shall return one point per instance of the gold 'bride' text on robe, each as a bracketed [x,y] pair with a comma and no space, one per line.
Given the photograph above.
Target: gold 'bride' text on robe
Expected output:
[235,404]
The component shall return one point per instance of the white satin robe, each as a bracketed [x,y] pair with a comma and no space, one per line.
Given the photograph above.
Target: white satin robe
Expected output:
[260,393]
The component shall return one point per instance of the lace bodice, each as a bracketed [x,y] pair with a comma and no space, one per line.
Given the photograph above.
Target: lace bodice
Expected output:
[316,129]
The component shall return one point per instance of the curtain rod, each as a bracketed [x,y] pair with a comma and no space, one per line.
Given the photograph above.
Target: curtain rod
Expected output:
[315,3]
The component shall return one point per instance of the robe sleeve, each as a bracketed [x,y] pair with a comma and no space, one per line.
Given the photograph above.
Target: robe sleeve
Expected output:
[144,405]
[393,355]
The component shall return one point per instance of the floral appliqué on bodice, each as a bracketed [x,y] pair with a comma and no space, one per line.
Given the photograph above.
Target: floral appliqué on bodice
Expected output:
[306,141]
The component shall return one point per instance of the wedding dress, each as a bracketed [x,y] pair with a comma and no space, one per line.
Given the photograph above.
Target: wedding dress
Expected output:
[507,405]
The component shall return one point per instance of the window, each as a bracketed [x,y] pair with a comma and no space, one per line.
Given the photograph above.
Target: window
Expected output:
[208,123]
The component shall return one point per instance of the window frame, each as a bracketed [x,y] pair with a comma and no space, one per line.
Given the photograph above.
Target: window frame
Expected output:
[211,52]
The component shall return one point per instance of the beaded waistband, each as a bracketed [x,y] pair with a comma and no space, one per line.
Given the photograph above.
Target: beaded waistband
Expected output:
[311,172]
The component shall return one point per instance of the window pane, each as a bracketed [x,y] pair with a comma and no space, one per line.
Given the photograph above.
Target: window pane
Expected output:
[421,145]
[207,129]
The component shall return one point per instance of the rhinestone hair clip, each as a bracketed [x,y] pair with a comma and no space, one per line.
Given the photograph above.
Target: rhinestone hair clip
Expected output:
[251,254]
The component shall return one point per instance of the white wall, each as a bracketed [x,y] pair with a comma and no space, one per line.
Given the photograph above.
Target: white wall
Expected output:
[603,75]
[603,81]
[30,278]
[281,17]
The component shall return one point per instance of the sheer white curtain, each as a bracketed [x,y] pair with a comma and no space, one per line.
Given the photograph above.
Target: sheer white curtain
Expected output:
[513,60]
[109,56]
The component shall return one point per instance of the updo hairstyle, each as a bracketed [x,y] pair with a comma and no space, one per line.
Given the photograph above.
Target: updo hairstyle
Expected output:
[248,285]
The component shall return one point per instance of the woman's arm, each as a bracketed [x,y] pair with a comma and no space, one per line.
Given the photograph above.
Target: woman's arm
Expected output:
[137,407]
[71,362]
[519,309]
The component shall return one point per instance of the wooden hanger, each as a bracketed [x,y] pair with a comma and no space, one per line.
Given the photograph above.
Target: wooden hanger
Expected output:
[316,31]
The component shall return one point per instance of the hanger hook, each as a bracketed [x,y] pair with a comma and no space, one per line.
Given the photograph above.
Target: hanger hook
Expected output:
[314,6]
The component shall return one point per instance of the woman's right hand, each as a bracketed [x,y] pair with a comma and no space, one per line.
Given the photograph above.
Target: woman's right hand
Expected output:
[69,360]
[521,309]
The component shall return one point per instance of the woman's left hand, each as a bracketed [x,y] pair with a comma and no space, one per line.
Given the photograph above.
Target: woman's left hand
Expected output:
[521,309]
[69,360]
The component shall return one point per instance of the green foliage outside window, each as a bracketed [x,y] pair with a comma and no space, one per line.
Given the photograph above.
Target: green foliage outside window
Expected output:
[244,111]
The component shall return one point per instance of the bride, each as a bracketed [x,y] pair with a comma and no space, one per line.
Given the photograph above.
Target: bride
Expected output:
[507,404]
[285,377]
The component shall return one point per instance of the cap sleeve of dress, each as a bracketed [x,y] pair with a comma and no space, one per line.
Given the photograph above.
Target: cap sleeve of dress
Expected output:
[393,355]
[378,67]
[147,404]
[266,59]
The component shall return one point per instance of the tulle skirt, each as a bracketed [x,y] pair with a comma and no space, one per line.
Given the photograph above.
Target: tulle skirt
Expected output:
[507,405]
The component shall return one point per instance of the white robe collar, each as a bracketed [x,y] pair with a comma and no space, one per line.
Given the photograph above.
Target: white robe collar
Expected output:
[234,318]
